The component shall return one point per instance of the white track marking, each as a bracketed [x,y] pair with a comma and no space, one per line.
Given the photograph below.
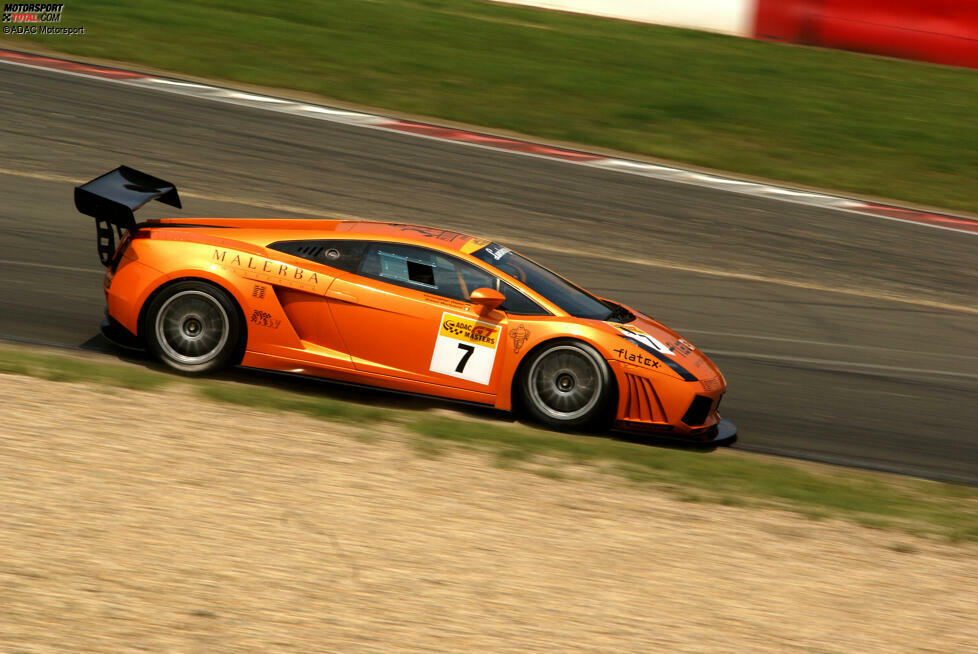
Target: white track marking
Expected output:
[187,85]
[263,102]
[792,196]
[248,97]
[841,365]
[49,266]
[741,187]
[800,341]
[44,177]
[911,222]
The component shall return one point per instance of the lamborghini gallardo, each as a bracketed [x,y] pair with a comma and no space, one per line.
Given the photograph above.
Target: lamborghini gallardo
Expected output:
[396,306]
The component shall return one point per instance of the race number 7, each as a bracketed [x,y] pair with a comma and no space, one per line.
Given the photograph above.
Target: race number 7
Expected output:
[465,348]
[468,350]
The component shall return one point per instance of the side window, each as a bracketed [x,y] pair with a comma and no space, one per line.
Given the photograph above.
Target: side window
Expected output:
[518,304]
[474,278]
[424,270]
[403,265]
[398,267]
[432,272]
[341,254]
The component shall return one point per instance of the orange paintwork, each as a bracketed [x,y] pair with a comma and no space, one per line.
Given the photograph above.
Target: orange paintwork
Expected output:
[305,317]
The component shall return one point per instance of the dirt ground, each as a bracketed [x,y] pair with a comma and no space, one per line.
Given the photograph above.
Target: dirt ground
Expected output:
[134,521]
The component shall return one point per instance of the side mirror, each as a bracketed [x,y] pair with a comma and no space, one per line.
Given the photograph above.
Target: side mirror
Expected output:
[486,299]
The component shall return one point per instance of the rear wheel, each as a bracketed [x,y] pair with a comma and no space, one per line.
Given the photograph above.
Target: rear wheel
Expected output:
[567,385]
[194,327]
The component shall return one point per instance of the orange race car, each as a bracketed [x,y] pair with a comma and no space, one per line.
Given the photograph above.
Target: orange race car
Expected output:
[396,306]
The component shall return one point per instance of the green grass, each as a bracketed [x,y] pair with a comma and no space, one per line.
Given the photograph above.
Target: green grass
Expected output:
[721,477]
[886,127]
[871,500]
[67,369]
[311,405]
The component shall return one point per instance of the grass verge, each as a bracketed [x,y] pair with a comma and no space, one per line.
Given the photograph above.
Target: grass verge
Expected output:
[269,399]
[738,479]
[723,477]
[70,369]
[826,118]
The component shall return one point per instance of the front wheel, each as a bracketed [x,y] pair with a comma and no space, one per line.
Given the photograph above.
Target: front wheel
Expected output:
[193,327]
[567,385]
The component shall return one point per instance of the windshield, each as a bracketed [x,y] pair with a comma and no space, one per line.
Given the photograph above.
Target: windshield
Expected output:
[572,299]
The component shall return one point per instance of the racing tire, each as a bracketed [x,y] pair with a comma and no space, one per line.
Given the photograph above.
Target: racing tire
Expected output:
[567,385]
[194,327]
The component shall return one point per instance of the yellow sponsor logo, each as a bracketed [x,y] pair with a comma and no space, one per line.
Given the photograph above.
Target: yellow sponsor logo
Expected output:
[474,244]
[469,331]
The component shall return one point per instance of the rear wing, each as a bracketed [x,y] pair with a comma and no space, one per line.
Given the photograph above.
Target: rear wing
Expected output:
[112,200]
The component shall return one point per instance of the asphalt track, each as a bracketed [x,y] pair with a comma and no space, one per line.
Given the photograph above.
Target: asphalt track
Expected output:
[844,338]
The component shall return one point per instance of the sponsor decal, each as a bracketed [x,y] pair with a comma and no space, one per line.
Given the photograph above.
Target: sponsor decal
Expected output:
[426,232]
[266,270]
[264,319]
[637,358]
[470,331]
[446,301]
[258,291]
[682,346]
[655,347]
[520,336]
[465,348]
[497,252]
[474,244]
[641,338]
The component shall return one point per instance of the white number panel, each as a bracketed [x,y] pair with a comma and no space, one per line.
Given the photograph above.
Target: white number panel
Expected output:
[465,348]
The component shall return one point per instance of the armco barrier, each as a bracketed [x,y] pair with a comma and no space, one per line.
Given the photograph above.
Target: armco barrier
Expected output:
[941,31]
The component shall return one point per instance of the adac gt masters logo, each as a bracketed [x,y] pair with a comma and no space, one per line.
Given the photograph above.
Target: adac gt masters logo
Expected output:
[469,331]
[32,13]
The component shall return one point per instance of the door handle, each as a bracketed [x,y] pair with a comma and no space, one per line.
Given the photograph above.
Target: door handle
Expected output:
[342,296]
